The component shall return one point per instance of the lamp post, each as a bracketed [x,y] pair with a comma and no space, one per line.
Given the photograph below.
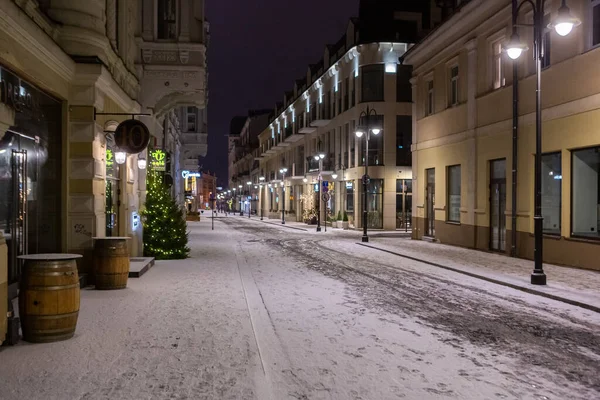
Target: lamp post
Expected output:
[563,25]
[366,130]
[261,196]
[241,194]
[283,171]
[249,201]
[319,157]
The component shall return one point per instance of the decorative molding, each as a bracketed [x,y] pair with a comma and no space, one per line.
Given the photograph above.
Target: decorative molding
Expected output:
[184,56]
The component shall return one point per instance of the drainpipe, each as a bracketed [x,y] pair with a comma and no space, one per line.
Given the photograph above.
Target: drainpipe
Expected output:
[515,139]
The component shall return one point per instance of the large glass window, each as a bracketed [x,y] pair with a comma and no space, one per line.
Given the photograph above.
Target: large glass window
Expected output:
[403,203]
[453,200]
[372,83]
[350,196]
[586,192]
[375,204]
[375,155]
[551,192]
[167,19]
[403,85]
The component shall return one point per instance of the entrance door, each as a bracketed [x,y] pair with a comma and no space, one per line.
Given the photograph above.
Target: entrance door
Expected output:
[430,203]
[498,205]
[18,220]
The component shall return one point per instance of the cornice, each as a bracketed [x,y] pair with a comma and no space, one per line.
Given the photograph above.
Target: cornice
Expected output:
[26,33]
[461,23]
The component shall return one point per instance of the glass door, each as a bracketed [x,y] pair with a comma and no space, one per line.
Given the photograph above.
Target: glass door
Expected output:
[498,205]
[430,203]
[18,205]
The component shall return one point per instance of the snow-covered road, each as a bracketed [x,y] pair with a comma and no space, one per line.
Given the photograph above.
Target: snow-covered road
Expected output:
[264,312]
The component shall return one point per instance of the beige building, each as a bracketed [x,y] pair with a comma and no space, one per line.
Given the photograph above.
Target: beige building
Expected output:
[63,65]
[463,137]
[321,114]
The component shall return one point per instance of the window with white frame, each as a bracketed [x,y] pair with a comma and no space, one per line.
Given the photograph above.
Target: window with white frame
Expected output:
[167,19]
[430,98]
[594,29]
[498,78]
[453,85]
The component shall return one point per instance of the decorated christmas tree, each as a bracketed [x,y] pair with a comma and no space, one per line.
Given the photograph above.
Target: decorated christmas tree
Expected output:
[165,230]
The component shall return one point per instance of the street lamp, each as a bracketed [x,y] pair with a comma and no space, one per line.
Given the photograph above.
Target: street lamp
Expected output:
[319,157]
[283,171]
[249,201]
[563,25]
[366,130]
[241,194]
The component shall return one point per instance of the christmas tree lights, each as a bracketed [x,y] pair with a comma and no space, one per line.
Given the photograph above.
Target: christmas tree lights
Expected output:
[165,229]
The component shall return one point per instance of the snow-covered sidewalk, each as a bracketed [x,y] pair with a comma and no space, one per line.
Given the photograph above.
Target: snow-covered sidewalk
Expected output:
[571,285]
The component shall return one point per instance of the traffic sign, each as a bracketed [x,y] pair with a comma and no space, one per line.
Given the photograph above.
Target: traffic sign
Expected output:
[325,186]
[326,196]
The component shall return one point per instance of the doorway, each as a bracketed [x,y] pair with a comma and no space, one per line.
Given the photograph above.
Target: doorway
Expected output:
[430,203]
[498,205]
[18,200]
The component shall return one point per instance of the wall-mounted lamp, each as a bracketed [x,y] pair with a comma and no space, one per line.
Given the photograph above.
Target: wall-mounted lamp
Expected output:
[120,157]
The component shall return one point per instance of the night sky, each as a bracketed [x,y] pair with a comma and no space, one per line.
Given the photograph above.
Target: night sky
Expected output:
[257,50]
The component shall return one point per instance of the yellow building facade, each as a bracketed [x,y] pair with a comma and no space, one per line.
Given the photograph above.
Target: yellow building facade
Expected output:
[463,135]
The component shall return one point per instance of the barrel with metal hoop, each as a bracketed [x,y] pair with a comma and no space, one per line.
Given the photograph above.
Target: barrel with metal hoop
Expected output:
[111,262]
[49,297]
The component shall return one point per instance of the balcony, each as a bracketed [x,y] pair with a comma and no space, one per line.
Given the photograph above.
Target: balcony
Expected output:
[194,145]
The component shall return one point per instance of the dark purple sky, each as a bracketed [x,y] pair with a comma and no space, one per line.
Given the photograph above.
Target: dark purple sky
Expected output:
[257,50]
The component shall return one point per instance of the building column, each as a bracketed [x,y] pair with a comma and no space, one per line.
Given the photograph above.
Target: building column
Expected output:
[7,118]
[471,171]
[86,170]
[418,209]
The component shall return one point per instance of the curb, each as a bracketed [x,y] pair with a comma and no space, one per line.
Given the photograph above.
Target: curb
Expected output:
[492,280]
[283,225]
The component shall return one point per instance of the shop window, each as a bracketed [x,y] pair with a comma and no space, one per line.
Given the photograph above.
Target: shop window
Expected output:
[453,200]
[372,88]
[586,193]
[375,204]
[350,196]
[551,192]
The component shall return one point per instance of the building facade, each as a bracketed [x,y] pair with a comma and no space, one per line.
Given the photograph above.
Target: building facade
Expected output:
[321,115]
[473,174]
[70,72]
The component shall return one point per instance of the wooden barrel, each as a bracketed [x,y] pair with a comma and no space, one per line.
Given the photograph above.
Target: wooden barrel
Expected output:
[111,263]
[49,300]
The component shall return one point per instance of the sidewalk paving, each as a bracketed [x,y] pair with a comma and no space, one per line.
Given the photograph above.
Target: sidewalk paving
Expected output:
[570,285]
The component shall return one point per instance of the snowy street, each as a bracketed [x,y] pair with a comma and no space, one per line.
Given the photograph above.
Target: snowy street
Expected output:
[262,311]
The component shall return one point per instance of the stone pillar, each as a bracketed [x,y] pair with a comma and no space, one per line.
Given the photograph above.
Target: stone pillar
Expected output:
[418,210]
[471,170]
[148,20]
[186,13]
[86,171]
